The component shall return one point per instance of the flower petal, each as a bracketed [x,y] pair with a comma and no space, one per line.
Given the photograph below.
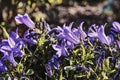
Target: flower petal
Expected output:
[3,68]
[25,19]
[102,37]
[11,42]
[116,26]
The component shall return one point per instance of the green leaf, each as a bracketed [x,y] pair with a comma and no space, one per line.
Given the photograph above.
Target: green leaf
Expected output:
[90,62]
[71,62]
[90,43]
[92,55]
[104,76]
[83,52]
[30,72]
[20,68]
[94,72]
[112,71]
[68,68]
[80,76]
[5,33]
[88,75]
[107,62]
[76,51]
[61,75]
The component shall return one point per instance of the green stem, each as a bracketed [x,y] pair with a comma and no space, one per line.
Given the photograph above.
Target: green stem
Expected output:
[61,74]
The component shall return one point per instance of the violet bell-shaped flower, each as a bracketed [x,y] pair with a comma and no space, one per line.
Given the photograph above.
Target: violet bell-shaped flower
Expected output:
[25,19]
[111,39]
[118,43]
[116,26]
[98,32]
[69,45]
[12,48]
[80,67]
[116,76]
[79,32]
[49,70]
[10,57]
[66,33]
[100,59]
[54,62]
[31,36]
[61,49]
[102,37]
[93,31]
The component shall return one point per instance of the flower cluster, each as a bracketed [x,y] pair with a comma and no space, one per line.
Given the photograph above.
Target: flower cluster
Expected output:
[13,46]
[102,46]
[63,52]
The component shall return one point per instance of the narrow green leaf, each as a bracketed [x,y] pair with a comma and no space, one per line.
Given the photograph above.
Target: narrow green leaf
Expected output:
[112,71]
[76,51]
[29,72]
[107,62]
[79,76]
[90,62]
[104,76]
[5,33]
[61,75]
[68,68]
[20,68]
[83,52]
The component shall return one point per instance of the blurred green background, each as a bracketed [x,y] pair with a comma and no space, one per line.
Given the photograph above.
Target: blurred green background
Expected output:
[57,12]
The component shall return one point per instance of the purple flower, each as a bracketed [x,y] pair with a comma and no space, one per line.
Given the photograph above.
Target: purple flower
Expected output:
[61,49]
[118,66]
[69,45]
[118,43]
[56,30]
[69,34]
[31,36]
[49,70]
[114,60]
[25,19]
[116,76]
[111,39]
[12,48]
[66,33]
[80,67]
[79,32]
[98,32]
[3,68]
[46,26]
[100,59]
[102,37]
[54,62]
[93,31]
[116,26]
